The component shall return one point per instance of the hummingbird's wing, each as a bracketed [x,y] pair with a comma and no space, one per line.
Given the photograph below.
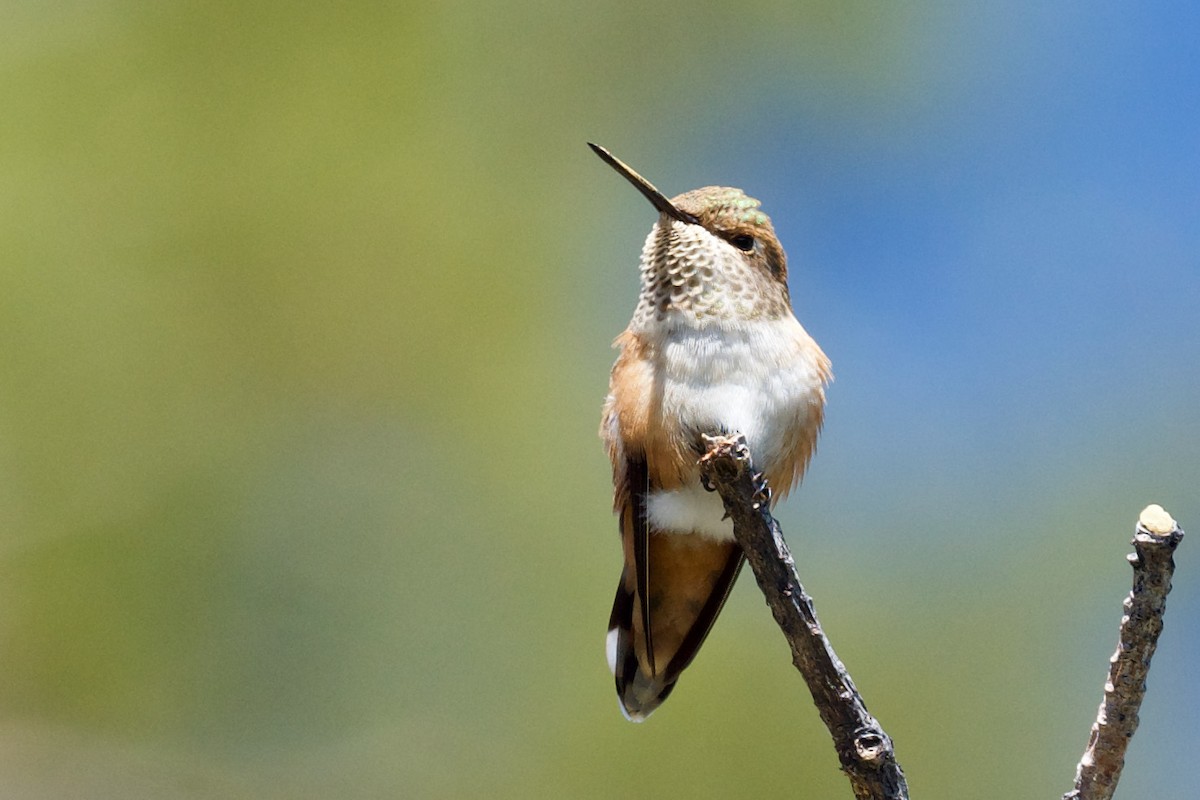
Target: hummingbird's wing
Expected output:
[672,588]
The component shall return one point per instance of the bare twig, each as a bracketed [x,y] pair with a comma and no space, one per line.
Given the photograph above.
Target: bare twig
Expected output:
[864,749]
[1155,539]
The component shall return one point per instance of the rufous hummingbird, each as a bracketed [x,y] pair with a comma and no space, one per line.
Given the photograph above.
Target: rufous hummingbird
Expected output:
[713,348]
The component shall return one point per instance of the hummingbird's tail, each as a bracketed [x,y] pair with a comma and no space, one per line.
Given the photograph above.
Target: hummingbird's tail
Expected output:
[687,579]
[637,693]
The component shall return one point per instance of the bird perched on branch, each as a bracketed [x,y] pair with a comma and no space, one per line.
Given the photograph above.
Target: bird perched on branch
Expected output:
[713,348]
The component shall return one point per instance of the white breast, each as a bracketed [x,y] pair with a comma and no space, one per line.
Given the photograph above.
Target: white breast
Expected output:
[757,378]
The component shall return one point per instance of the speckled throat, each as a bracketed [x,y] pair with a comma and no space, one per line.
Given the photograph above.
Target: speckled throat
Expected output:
[693,273]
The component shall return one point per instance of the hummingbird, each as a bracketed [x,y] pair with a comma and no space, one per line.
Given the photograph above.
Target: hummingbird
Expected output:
[713,349]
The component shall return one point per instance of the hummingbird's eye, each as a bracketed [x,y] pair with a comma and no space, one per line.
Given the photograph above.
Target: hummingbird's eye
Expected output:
[743,242]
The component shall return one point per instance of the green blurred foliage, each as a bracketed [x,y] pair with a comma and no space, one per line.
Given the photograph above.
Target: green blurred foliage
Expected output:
[304,323]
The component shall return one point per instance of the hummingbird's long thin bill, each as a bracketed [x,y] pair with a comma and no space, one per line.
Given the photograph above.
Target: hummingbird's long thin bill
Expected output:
[656,198]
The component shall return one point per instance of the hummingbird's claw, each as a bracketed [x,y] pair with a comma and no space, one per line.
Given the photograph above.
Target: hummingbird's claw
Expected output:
[762,490]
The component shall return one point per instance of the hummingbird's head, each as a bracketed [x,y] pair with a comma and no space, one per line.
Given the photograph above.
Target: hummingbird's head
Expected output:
[712,257]
[729,215]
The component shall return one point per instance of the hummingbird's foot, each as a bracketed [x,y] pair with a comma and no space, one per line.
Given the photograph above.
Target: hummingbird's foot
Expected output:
[706,447]
[762,490]
[718,447]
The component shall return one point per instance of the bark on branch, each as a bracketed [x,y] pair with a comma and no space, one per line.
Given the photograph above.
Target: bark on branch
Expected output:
[1155,539]
[864,749]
